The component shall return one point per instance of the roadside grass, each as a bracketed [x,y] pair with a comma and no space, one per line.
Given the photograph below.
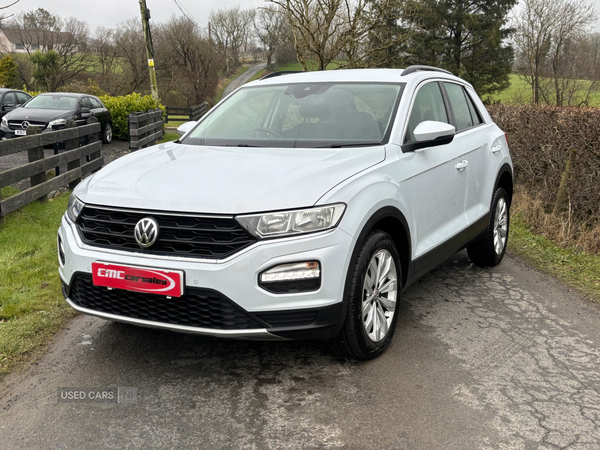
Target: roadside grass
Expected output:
[519,93]
[310,64]
[570,265]
[168,137]
[225,82]
[32,307]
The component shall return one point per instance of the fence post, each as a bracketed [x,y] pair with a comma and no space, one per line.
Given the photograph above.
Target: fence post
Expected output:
[35,154]
[561,196]
[71,144]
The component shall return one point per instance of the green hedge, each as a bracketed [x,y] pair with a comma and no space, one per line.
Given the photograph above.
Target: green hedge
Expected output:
[121,107]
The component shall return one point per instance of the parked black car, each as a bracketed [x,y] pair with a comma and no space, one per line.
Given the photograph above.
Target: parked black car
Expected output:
[11,99]
[53,111]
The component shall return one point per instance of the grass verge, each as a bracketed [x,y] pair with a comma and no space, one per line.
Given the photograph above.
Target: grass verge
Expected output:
[570,265]
[225,82]
[32,307]
[168,137]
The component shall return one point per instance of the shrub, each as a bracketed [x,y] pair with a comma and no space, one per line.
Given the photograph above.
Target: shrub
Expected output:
[121,107]
[540,139]
[8,71]
[78,86]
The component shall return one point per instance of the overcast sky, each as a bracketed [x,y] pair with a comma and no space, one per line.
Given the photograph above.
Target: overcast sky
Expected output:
[108,13]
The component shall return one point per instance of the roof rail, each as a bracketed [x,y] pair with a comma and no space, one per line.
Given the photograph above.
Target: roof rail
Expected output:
[283,72]
[413,69]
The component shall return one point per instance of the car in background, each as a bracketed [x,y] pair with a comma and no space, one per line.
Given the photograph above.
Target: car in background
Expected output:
[53,111]
[11,99]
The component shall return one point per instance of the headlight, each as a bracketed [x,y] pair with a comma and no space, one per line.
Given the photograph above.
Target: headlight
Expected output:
[74,208]
[289,223]
[57,122]
[4,121]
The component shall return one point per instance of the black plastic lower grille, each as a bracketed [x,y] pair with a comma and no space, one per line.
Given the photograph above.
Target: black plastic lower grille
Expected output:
[288,319]
[179,235]
[196,308]
[292,286]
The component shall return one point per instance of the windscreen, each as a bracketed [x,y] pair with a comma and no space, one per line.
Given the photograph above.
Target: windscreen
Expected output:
[64,102]
[306,115]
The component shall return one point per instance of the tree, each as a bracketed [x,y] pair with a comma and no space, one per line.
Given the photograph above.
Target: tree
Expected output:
[46,67]
[187,62]
[545,35]
[231,29]
[269,26]
[8,71]
[42,31]
[466,37]
[102,46]
[130,47]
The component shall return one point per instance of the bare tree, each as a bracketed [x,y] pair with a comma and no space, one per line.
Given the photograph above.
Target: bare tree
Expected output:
[231,29]
[186,62]
[102,46]
[130,47]
[544,31]
[323,29]
[269,26]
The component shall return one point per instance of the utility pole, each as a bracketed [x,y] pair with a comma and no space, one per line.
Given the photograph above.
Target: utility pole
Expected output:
[149,48]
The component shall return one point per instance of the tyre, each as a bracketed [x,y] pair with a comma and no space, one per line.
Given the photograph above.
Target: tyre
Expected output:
[488,250]
[374,292]
[108,134]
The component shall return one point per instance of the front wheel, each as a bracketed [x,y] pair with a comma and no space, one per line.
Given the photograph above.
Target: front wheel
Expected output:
[108,134]
[489,249]
[373,296]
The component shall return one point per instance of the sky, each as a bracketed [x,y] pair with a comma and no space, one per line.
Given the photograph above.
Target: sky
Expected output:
[108,13]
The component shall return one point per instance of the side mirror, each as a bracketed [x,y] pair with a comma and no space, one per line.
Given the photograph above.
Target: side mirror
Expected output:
[430,133]
[185,127]
[85,111]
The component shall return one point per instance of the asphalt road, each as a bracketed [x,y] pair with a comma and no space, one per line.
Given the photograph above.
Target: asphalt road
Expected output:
[243,78]
[504,358]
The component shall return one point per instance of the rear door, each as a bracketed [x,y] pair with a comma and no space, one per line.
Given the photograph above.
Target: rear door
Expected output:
[439,186]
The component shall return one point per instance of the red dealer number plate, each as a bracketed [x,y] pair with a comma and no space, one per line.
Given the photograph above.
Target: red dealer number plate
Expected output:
[138,279]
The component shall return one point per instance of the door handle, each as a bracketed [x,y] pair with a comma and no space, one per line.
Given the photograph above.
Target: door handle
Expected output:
[496,148]
[461,165]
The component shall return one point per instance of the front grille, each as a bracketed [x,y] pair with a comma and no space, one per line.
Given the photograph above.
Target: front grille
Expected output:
[196,308]
[188,236]
[16,124]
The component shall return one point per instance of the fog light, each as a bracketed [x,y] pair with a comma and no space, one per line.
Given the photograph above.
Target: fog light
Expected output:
[61,252]
[291,278]
[288,272]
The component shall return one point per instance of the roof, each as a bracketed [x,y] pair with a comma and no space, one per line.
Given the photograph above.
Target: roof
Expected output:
[66,94]
[353,75]
[34,36]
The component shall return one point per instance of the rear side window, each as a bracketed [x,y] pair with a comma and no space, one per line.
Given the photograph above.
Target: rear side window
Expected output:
[22,97]
[460,107]
[95,103]
[428,105]
[474,112]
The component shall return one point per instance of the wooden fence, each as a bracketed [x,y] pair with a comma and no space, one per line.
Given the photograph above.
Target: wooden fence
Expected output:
[38,165]
[145,128]
[193,113]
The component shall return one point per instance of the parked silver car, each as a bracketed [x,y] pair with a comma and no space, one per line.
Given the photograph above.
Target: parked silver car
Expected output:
[300,207]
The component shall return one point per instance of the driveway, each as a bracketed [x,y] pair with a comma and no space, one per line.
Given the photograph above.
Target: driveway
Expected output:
[243,78]
[482,359]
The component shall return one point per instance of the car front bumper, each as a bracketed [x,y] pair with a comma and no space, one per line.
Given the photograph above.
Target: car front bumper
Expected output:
[233,280]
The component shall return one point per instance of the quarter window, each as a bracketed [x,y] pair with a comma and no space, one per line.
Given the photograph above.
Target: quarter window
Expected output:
[428,105]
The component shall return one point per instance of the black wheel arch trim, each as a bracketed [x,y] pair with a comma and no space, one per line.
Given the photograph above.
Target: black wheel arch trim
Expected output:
[383,213]
[506,168]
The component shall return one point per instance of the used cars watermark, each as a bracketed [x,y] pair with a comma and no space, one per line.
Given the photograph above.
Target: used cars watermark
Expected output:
[122,395]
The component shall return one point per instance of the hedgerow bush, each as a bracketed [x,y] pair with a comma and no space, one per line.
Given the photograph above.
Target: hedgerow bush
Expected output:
[540,139]
[121,107]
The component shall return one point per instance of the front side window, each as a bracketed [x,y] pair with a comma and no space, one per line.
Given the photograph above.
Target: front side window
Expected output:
[9,99]
[303,115]
[428,105]
[62,102]
[22,97]
[85,103]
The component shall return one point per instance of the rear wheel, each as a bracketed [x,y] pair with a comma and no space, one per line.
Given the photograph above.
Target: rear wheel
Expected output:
[489,249]
[375,290]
